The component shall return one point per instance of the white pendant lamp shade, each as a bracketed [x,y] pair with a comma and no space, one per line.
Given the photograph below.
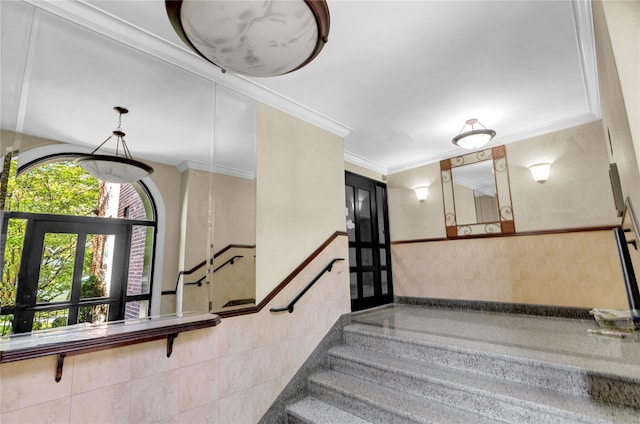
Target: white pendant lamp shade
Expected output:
[473,138]
[256,38]
[119,168]
[114,169]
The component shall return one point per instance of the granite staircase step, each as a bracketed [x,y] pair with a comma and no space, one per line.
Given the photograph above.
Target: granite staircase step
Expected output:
[491,397]
[559,372]
[380,404]
[407,365]
[313,411]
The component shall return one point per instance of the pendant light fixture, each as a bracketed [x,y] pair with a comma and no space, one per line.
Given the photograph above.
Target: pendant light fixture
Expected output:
[255,38]
[118,168]
[473,138]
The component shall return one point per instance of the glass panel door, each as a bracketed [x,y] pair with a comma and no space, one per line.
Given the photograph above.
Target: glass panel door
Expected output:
[369,253]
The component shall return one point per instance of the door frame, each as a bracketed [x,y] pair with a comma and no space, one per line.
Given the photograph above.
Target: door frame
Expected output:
[380,262]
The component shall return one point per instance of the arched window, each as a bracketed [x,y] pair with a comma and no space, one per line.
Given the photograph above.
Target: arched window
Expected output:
[75,249]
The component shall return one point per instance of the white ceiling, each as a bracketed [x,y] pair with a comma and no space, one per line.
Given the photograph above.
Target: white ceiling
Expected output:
[397,79]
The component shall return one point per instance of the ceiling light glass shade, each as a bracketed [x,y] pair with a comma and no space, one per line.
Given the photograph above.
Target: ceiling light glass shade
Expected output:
[114,169]
[256,38]
[119,168]
[473,138]
[540,171]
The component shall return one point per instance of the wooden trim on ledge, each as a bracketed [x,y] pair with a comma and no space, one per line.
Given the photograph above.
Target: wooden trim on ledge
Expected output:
[526,233]
[100,337]
[284,283]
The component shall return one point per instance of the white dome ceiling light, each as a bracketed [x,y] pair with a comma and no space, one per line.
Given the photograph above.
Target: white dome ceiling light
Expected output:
[255,38]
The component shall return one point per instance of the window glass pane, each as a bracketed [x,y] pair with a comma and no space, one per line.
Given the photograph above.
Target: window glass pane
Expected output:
[353,280]
[94,314]
[384,283]
[97,269]
[5,325]
[350,212]
[137,309]
[140,260]
[380,210]
[56,267]
[352,257]
[50,319]
[364,215]
[383,257]
[367,284]
[367,257]
[12,255]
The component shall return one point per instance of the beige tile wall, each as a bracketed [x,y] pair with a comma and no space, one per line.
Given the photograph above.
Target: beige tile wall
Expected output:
[229,374]
[570,269]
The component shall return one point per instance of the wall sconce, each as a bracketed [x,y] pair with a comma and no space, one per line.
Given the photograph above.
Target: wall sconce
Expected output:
[540,171]
[421,192]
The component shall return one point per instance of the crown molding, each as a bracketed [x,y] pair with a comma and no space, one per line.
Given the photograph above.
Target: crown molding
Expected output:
[586,44]
[365,163]
[94,19]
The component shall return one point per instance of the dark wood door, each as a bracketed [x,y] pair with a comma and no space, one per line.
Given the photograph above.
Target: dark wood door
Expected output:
[369,253]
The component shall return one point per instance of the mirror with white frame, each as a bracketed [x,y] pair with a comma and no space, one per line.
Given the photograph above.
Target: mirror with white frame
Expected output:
[476,194]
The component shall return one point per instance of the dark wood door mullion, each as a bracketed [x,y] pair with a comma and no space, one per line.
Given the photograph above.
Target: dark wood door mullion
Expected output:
[76,279]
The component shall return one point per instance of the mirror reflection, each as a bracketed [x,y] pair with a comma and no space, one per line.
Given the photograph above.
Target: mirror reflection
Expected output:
[76,250]
[475,196]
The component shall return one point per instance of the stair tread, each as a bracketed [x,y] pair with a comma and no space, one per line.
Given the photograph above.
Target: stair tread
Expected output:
[586,363]
[511,392]
[410,407]
[314,411]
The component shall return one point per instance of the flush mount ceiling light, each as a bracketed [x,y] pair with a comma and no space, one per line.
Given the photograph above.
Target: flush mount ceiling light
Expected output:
[255,38]
[118,168]
[473,138]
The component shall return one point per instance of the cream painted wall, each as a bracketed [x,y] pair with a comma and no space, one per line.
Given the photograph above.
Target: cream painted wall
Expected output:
[577,193]
[623,19]
[465,205]
[620,103]
[195,234]
[235,211]
[300,193]
[410,219]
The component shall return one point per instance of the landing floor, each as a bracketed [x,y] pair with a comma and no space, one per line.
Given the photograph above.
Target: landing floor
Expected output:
[557,340]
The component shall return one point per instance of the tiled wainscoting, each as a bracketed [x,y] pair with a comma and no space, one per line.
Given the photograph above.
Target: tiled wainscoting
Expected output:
[580,269]
[227,374]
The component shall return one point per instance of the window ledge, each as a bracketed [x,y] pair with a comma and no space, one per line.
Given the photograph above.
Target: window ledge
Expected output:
[85,338]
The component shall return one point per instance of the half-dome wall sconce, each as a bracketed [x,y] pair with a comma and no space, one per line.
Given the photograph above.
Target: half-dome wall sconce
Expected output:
[421,193]
[540,171]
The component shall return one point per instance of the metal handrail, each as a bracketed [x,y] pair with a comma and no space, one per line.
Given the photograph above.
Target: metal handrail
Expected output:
[289,307]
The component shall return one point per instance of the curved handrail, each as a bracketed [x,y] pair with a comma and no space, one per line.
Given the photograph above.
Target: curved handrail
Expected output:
[289,307]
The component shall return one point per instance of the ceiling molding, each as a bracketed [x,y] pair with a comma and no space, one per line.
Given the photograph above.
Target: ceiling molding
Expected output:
[233,172]
[96,20]
[218,169]
[586,44]
[371,166]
